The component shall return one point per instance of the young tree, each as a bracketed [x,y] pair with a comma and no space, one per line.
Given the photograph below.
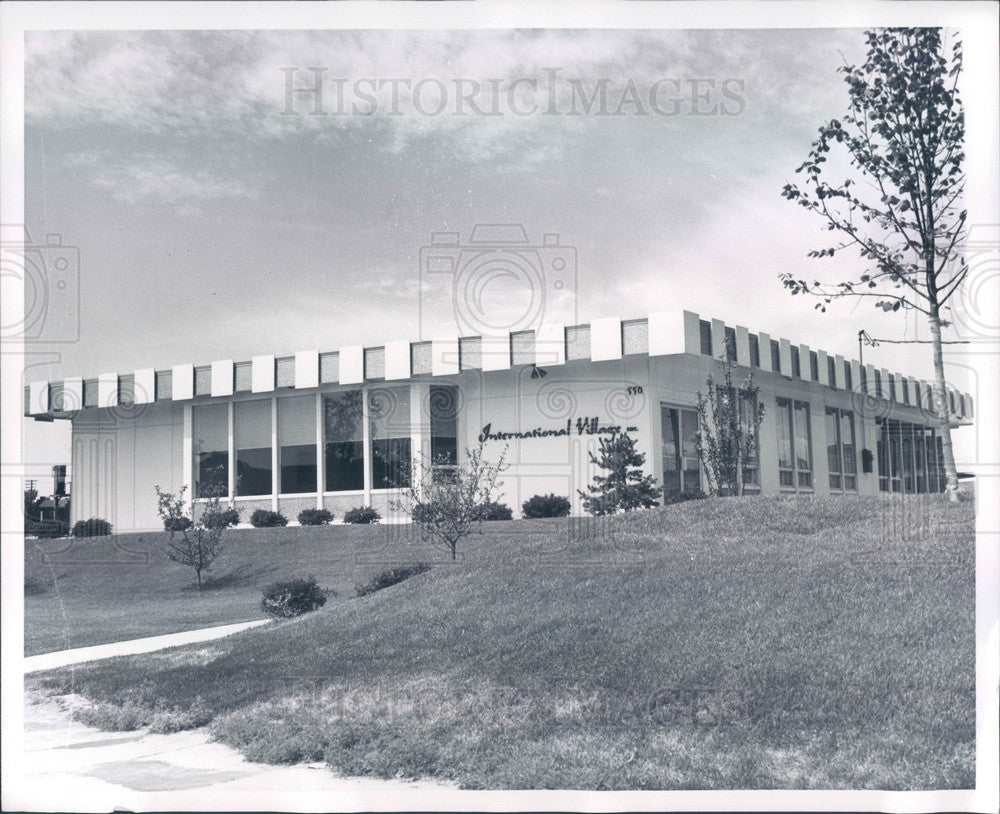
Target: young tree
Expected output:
[31,504]
[624,487]
[903,135]
[728,437]
[194,544]
[447,501]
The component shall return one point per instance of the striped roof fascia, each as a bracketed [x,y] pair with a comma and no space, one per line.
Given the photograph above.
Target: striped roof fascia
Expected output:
[667,333]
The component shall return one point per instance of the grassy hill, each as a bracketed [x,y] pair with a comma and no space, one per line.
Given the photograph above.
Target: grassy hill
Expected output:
[107,589]
[770,643]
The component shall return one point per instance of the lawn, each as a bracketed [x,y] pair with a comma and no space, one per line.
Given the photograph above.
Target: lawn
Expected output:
[107,589]
[734,643]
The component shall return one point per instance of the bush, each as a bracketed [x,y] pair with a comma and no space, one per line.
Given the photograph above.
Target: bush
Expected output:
[495,511]
[176,523]
[166,721]
[549,505]
[45,528]
[265,519]
[292,598]
[221,518]
[424,512]
[126,717]
[94,527]
[315,517]
[34,586]
[362,514]
[390,576]
[683,497]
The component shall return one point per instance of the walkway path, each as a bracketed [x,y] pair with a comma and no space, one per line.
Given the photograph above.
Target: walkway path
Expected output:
[69,766]
[63,658]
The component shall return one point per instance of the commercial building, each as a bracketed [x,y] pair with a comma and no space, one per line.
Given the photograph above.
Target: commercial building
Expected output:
[344,428]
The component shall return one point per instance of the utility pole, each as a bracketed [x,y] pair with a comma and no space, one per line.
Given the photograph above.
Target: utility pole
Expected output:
[864,338]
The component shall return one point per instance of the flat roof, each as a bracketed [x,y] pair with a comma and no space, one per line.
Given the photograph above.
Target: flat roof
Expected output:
[658,334]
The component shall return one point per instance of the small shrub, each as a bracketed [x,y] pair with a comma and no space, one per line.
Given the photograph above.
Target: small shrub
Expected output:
[292,598]
[221,518]
[45,528]
[495,511]
[109,717]
[362,514]
[167,721]
[34,586]
[684,497]
[176,523]
[390,576]
[302,735]
[94,527]
[549,505]
[315,517]
[265,519]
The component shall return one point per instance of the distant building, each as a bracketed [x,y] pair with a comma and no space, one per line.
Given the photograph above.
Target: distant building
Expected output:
[342,428]
[59,483]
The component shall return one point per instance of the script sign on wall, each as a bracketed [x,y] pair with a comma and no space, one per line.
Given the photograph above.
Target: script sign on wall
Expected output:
[582,426]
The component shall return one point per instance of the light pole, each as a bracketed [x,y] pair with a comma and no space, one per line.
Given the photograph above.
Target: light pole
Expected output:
[864,338]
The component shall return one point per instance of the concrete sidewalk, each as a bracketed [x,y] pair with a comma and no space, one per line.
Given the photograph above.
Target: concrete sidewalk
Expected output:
[68,766]
[64,658]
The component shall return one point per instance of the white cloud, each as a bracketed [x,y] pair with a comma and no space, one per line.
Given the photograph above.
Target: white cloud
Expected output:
[217,84]
[146,177]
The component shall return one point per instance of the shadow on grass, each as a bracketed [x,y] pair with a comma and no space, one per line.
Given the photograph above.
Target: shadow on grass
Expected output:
[241,577]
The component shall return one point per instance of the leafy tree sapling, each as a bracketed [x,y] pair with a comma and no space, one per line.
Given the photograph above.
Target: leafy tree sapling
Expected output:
[195,544]
[902,211]
[448,501]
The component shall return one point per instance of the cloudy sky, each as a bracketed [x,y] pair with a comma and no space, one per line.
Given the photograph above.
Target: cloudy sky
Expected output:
[218,217]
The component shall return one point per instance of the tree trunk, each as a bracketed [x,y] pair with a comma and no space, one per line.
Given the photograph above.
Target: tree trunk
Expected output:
[941,408]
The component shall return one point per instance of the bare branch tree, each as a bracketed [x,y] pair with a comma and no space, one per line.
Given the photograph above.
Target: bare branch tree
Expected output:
[728,438]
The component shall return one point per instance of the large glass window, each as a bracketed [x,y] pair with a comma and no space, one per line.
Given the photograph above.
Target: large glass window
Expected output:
[389,414]
[850,450]
[909,482]
[909,458]
[942,481]
[211,450]
[444,429]
[840,450]
[930,455]
[794,444]
[751,468]
[803,445]
[882,448]
[895,457]
[297,444]
[920,458]
[253,447]
[833,459]
[680,456]
[786,463]
[344,441]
